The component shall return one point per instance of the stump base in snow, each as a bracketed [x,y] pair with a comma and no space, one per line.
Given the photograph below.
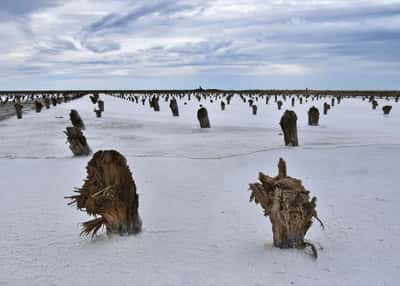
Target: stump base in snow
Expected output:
[77,142]
[288,205]
[109,194]
[202,116]
[288,124]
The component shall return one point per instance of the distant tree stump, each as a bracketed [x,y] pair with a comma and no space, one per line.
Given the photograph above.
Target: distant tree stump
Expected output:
[54,101]
[326,108]
[47,102]
[202,116]
[109,194]
[313,116]
[288,124]
[374,104]
[288,205]
[279,103]
[301,100]
[18,109]
[222,105]
[100,105]
[77,141]
[254,109]
[98,112]
[386,109]
[94,98]
[333,101]
[38,106]
[173,105]
[76,120]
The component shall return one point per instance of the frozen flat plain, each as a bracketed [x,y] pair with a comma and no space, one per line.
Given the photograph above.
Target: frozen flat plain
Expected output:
[198,225]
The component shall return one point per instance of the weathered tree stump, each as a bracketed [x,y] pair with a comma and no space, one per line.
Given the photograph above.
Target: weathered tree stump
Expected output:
[54,101]
[202,116]
[288,124]
[279,103]
[77,141]
[374,104]
[109,194]
[173,105]
[94,98]
[222,105]
[293,99]
[38,106]
[254,109]
[76,120]
[98,112]
[18,109]
[100,104]
[288,205]
[326,108]
[47,102]
[333,101]
[313,116]
[386,109]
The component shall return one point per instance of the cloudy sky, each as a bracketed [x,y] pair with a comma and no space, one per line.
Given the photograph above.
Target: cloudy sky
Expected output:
[78,44]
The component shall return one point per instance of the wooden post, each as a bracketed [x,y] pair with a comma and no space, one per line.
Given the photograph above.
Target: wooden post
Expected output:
[222,105]
[77,141]
[254,108]
[279,103]
[313,116]
[109,192]
[287,203]
[326,108]
[173,105]
[76,120]
[38,106]
[202,116]
[288,124]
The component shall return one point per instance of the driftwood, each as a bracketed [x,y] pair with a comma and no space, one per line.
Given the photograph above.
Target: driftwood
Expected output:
[288,205]
[76,120]
[288,124]
[173,105]
[109,194]
[202,116]
[18,109]
[77,141]
[313,116]
[386,109]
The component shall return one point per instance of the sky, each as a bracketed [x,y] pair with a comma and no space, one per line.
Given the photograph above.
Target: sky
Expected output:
[167,44]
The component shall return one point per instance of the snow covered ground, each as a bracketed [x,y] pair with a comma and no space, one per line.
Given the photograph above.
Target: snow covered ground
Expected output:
[199,228]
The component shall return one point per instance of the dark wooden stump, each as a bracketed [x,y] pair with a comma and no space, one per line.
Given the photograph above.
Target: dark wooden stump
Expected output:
[18,109]
[94,98]
[100,105]
[254,109]
[288,124]
[98,113]
[54,101]
[313,116]
[202,116]
[293,99]
[47,102]
[326,108]
[38,106]
[374,104]
[386,109]
[109,194]
[222,105]
[279,103]
[288,205]
[76,120]
[173,105]
[77,142]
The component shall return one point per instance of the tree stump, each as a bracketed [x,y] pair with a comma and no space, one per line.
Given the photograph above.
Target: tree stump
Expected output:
[77,141]
[76,120]
[386,109]
[202,116]
[222,105]
[254,108]
[313,116]
[18,109]
[98,112]
[279,103]
[94,98]
[326,108]
[38,106]
[288,205]
[288,124]
[100,104]
[109,194]
[47,102]
[374,104]
[293,99]
[54,101]
[173,105]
